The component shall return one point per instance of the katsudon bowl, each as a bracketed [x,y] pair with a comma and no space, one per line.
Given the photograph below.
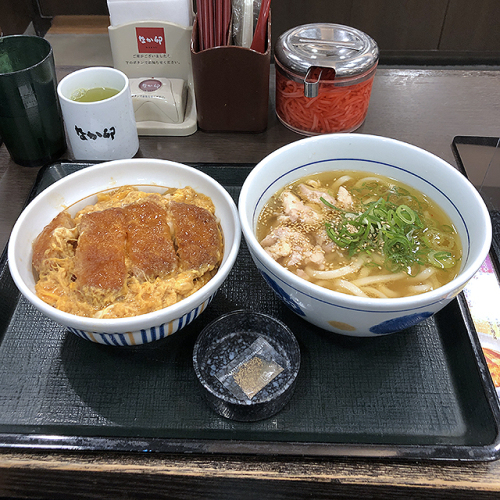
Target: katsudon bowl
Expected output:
[78,190]
[356,315]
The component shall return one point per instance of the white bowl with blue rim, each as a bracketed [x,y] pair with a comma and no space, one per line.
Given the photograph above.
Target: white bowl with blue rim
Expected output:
[343,313]
[78,190]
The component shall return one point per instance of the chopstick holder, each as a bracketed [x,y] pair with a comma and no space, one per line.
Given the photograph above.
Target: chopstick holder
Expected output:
[231,85]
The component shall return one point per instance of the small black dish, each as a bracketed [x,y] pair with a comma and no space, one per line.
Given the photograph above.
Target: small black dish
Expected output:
[247,363]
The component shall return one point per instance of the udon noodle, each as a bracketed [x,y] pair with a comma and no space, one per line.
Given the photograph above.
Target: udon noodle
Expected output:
[361,234]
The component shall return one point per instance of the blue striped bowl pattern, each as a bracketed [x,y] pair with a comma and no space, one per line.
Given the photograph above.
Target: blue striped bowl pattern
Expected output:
[146,335]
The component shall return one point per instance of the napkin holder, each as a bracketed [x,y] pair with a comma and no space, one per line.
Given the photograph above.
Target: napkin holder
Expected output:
[157,50]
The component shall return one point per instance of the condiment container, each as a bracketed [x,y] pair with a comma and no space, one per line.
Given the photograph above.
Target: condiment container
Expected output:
[324,77]
[247,364]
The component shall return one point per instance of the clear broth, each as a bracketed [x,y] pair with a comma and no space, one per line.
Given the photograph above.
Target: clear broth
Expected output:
[296,237]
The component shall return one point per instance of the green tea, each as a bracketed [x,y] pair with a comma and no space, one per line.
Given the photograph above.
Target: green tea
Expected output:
[93,95]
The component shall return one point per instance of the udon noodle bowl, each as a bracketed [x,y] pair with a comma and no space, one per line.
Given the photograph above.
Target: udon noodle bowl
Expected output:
[360,234]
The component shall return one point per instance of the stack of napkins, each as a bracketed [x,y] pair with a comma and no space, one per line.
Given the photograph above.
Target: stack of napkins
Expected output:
[127,11]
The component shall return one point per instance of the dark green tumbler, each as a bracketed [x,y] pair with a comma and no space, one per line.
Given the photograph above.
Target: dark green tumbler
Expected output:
[31,124]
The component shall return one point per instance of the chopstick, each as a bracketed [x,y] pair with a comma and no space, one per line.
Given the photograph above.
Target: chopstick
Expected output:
[214,19]
[201,9]
[211,27]
[219,28]
[226,19]
[259,37]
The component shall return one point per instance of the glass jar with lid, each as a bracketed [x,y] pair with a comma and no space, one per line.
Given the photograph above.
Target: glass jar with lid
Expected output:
[324,77]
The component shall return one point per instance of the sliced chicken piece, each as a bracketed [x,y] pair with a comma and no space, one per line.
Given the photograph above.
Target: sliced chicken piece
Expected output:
[277,243]
[50,244]
[344,198]
[323,240]
[296,210]
[293,248]
[197,235]
[313,195]
[100,255]
[149,242]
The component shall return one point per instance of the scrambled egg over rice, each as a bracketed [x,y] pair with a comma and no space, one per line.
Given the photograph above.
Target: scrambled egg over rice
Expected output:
[130,253]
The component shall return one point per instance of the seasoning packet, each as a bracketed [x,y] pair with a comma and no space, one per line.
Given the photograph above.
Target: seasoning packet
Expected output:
[252,370]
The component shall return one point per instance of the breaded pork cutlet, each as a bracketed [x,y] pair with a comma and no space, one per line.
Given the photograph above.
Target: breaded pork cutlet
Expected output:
[197,236]
[149,242]
[100,255]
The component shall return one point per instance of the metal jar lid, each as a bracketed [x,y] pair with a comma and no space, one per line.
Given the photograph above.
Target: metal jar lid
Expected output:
[348,51]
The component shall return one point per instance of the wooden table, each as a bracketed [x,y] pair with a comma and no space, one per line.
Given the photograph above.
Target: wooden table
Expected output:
[424,107]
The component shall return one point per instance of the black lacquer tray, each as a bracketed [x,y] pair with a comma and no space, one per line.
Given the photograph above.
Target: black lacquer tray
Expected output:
[424,393]
[478,159]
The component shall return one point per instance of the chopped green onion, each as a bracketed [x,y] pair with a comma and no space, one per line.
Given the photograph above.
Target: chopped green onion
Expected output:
[406,214]
[396,231]
[442,260]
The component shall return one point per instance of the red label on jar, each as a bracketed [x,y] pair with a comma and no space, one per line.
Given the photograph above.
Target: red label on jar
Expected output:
[150,40]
